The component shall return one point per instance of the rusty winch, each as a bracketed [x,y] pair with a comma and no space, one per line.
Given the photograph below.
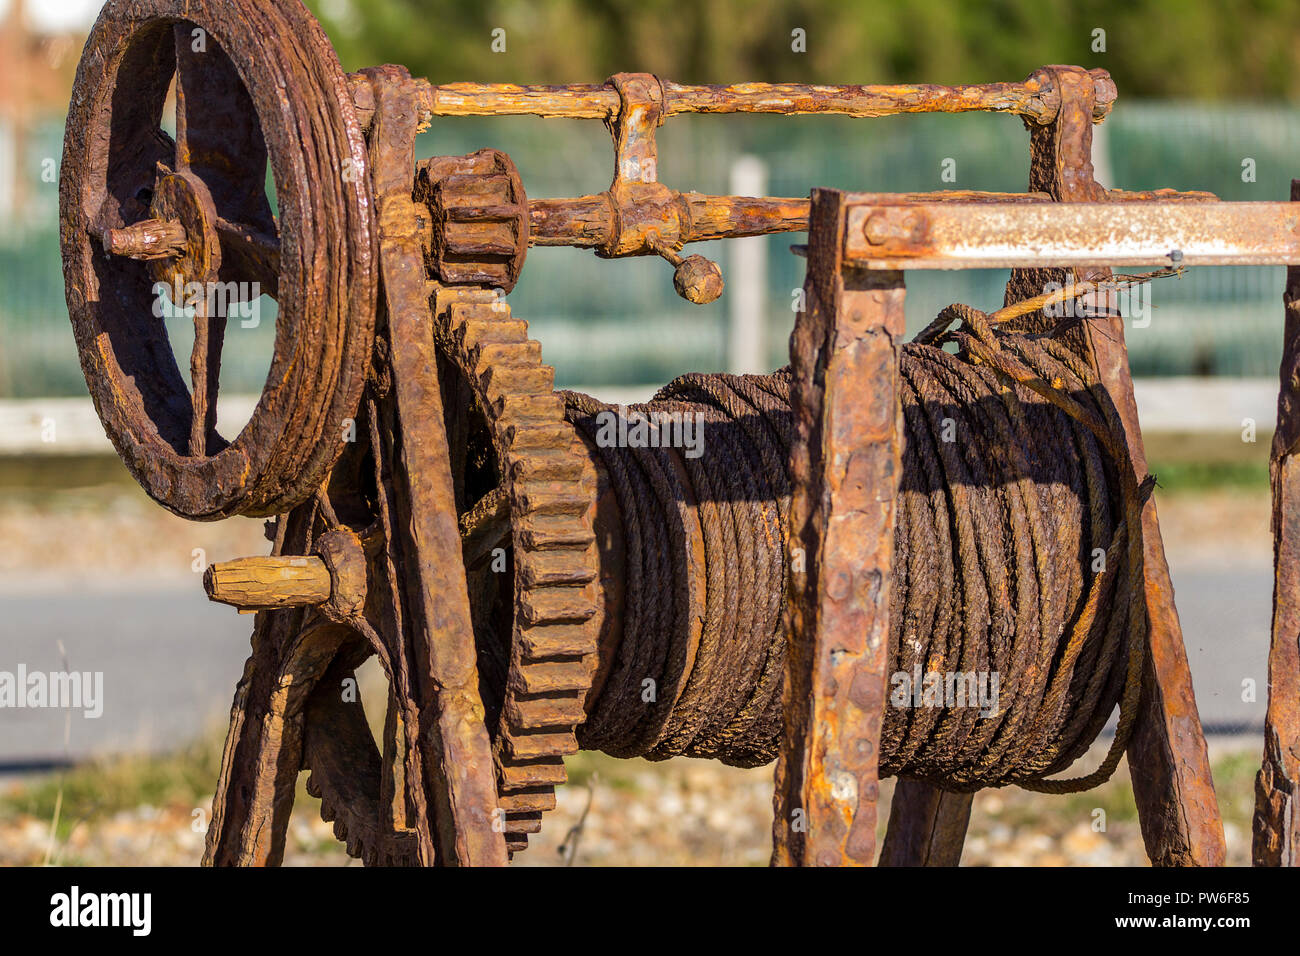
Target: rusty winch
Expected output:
[747,568]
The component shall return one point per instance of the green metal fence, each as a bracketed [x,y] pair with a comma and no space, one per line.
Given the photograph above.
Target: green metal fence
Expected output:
[619,322]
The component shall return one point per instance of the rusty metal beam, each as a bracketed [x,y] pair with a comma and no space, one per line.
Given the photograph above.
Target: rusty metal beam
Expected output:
[846,465]
[927,826]
[593,221]
[1168,762]
[1030,98]
[884,234]
[453,739]
[1276,838]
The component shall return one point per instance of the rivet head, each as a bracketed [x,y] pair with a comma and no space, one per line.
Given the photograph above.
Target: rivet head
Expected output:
[877,229]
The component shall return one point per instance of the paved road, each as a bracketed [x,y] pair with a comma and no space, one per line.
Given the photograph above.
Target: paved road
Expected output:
[170,660]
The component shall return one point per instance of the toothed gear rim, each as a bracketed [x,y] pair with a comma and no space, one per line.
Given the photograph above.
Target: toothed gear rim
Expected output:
[549,483]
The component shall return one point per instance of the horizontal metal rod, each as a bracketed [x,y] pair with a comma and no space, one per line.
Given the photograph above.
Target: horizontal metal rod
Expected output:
[590,222]
[1030,98]
[883,233]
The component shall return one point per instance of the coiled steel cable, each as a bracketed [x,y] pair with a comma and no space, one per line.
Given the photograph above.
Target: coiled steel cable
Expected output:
[1013,559]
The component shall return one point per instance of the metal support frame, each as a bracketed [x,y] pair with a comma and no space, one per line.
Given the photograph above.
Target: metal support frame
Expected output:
[453,741]
[826,782]
[1277,788]
[846,473]
[847,460]
[1014,235]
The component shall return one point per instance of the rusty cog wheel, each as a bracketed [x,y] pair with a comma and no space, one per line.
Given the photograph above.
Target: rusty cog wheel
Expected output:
[529,491]
[526,491]
[352,791]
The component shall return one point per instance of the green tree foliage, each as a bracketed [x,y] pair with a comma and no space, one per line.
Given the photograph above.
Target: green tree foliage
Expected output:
[1200,49]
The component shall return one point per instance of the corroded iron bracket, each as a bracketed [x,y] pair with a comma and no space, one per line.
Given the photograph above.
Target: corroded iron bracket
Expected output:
[846,468]
[454,740]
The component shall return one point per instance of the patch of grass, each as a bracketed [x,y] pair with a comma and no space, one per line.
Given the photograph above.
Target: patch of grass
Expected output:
[97,790]
[614,773]
[1115,797]
[1234,784]
[1192,476]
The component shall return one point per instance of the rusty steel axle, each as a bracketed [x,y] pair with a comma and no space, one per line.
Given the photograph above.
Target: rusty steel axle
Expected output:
[1036,99]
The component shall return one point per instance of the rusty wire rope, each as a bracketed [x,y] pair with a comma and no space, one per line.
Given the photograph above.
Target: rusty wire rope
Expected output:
[1012,556]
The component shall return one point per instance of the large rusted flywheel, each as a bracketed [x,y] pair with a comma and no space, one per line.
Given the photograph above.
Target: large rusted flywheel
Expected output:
[140,207]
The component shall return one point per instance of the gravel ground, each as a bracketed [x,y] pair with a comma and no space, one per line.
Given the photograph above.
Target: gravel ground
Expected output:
[631,813]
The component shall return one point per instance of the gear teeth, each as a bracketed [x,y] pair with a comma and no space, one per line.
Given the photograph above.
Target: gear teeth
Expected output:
[527,438]
[524,822]
[553,677]
[552,533]
[556,606]
[527,380]
[519,774]
[550,568]
[537,498]
[535,800]
[556,640]
[530,746]
[516,843]
[507,353]
[551,487]
[545,712]
[529,409]
[546,467]
[478,332]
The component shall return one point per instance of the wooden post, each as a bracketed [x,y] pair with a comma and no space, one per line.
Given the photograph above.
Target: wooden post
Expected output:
[846,467]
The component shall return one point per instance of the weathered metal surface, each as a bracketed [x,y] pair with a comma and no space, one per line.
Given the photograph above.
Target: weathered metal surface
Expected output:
[146,239]
[927,826]
[479,224]
[248,85]
[884,235]
[540,508]
[846,467]
[1168,762]
[376,563]
[1276,839]
[263,583]
[436,614]
[589,221]
[638,215]
[1034,98]
[262,755]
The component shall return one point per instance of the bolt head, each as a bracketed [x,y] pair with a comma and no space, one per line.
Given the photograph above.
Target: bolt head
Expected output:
[877,229]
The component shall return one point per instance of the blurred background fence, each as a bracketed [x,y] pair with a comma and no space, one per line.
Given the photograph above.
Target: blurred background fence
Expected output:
[620,323]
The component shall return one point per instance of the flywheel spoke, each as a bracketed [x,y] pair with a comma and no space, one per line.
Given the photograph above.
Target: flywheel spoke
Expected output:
[219,138]
[205,369]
